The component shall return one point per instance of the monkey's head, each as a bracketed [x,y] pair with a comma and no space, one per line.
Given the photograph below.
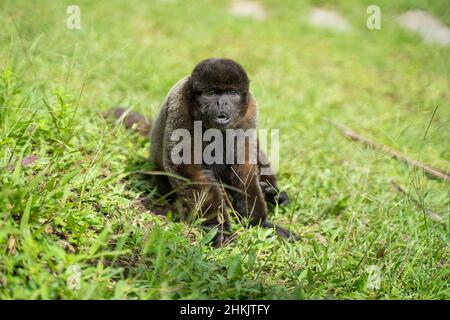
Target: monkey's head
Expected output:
[218,93]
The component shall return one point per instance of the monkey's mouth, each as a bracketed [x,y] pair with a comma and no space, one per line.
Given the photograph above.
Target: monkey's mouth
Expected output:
[222,119]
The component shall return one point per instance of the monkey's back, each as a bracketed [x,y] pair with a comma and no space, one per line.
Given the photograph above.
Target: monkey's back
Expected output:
[157,136]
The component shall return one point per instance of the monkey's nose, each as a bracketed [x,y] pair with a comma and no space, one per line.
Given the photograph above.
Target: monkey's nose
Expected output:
[222,118]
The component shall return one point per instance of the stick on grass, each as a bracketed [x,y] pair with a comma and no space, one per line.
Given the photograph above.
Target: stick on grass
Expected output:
[437,173]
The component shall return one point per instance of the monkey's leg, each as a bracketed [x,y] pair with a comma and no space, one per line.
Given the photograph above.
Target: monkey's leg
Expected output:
[203,198]
[250,202]
[268,182]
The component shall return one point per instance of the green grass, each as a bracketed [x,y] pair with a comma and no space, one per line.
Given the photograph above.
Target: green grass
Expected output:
[80,202]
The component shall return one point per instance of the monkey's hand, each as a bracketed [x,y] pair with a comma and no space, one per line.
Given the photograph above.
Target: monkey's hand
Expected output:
[273,196]
[221,239]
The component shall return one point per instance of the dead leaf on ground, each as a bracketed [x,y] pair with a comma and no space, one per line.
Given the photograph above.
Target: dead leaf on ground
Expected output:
[29,160]
[11,245]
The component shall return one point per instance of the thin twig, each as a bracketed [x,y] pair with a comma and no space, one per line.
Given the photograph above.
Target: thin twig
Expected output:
[349,133]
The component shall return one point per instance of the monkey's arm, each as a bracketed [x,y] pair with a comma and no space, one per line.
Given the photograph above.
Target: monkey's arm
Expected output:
[250,202]
[268,182]
[201,197]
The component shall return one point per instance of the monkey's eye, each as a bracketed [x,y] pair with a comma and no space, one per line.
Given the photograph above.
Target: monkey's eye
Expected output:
[209,93]
[233,93]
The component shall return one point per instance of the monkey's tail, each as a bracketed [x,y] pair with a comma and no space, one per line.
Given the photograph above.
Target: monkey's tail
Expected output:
[130,119]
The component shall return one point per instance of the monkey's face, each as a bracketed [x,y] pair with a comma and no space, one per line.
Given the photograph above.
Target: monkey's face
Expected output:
[218,93]
[219,108]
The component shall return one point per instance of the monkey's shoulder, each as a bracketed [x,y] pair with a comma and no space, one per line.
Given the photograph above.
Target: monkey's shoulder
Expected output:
[174,98]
